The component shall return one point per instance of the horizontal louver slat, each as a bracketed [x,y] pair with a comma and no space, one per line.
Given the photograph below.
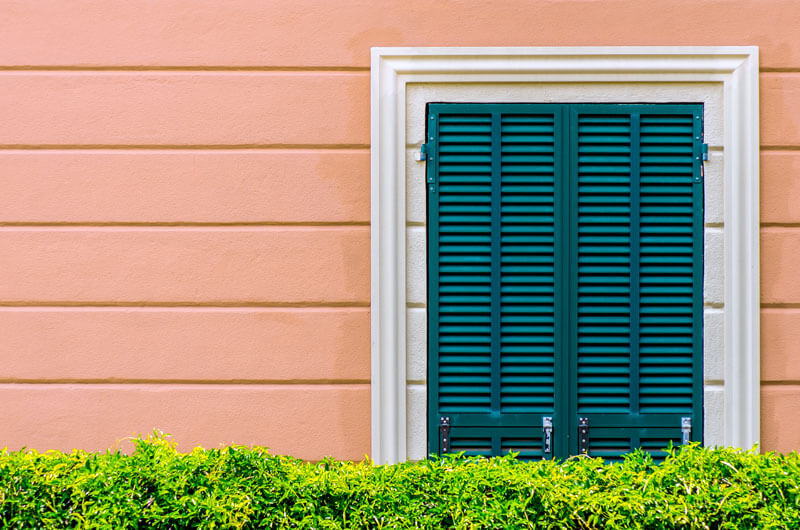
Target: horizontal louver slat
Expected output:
[612,444]
[603,189]
[464,269]
[526,442]
[667,329]
[527,259]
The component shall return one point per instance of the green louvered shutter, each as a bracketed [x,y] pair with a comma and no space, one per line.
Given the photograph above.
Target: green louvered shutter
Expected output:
[636,311]
[492,244]
[564,277]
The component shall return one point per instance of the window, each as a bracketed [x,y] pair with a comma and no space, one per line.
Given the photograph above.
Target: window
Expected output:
[404,80]
[565,247]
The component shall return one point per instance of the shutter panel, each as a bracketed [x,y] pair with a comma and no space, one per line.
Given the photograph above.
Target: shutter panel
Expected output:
[671,248]
[564,276]
[492,285]
[462,260]
[637,312]
[527,263]
[603,214]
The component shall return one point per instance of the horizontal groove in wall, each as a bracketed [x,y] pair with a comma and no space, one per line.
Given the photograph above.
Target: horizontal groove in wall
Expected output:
[766,309]
[202,72]
[779,383]
[192,385]
[118,381]
[216,150]
[176,68]
[188,147]
[165,305]
[188,227]
[785,305]
[239,68]
[780,148]
[156,224]
[300,308]
[234,68]
[777,228]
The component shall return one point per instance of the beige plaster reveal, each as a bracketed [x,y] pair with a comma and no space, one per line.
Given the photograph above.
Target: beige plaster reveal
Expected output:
[710,94]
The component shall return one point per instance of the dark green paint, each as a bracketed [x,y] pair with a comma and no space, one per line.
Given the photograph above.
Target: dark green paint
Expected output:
[565,274]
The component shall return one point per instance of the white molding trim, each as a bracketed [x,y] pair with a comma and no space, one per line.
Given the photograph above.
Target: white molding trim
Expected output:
[392,69]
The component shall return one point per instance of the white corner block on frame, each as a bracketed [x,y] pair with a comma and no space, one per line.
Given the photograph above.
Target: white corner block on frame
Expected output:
[714,414]
[713,266]
[416,422]
[416,267]
[714,198]
[417,98]
[416,188]
[416,344]
[713,344]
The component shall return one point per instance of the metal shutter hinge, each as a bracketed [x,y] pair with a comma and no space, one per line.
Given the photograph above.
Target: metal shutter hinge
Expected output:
[444,434]
[547,442]
[686,430]
[583,435]
[703,158]
[423,155]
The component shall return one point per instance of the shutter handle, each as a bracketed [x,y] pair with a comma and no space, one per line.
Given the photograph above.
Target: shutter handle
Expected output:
[547,442]
[444,434]
[686,430]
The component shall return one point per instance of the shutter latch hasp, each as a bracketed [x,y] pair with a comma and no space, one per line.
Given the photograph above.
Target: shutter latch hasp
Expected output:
[686,430]
[583,435]
[547,442]
[444,434]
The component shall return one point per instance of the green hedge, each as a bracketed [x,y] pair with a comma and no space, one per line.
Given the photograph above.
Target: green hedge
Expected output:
[238,487]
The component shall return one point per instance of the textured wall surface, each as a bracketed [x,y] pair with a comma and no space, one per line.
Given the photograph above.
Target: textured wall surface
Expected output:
[184,239]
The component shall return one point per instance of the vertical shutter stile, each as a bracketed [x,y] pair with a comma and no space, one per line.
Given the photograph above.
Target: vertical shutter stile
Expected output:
[635,263]
[496,273]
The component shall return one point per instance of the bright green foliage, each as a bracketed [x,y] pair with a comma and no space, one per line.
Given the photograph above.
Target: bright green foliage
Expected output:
[239,487]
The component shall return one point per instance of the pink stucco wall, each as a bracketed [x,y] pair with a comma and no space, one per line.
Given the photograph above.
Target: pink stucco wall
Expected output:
[184,239]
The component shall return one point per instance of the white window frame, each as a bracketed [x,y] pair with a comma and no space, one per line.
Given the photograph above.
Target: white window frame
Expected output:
[731,70]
